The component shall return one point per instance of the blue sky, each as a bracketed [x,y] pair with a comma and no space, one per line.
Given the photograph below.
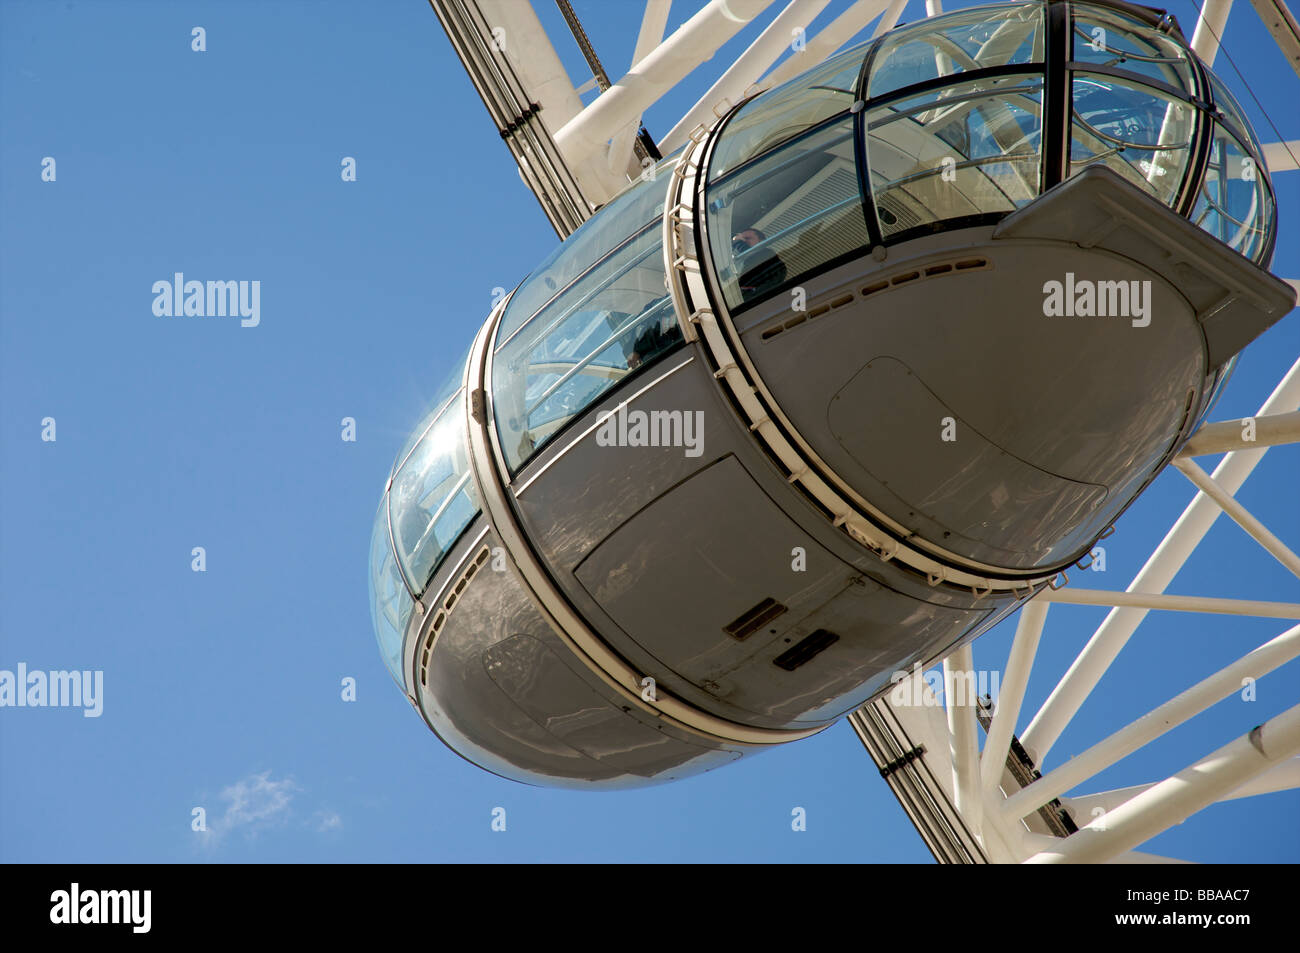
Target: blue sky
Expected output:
[222,688]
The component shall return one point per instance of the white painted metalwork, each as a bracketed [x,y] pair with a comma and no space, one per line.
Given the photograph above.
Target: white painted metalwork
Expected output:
[749,66]
[1282,156]
[1209,29]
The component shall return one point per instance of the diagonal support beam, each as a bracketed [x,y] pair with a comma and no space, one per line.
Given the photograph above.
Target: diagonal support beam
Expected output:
[1228,435]
[961,705]
[1209,29]
[1148,600]
[1153,724]
[1280,777]
[1012,694]
[749,66]
[1172,801]
[1240,515]
[663,68]
[1174,550]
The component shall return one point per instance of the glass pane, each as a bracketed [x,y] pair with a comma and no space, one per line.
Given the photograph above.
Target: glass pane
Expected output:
[1138,132]
[1234,205]
[390,604]
[617,318]
[433,497]
[1236,116]
[788,110]
[793,210]
[1109,38]
[978,39]
[622,216]
[453,383]
[967,149]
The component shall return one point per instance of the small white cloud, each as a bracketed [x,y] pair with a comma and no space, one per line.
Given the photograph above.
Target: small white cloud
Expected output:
[327,821]
[254,803]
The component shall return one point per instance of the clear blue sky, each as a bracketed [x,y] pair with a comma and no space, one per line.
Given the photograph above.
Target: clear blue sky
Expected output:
[222,688]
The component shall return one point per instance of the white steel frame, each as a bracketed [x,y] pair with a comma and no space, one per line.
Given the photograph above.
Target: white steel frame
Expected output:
[973,794]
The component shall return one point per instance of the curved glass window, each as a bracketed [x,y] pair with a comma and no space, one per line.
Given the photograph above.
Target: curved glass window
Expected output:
[796,208]
[433,497]
[788,110]
[967,149]
[390,603]
[611,318]
[430,501]
[1108,38]
[956,131]
[985,37]
[1139,132]
[1234,204]
[590,243]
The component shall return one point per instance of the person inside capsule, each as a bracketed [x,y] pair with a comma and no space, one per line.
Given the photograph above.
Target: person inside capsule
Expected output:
[655,333]
[760,270]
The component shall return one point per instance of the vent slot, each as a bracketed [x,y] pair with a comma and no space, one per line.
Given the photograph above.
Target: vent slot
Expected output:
[937,270]
[806,651]
[753,620]
[441,616]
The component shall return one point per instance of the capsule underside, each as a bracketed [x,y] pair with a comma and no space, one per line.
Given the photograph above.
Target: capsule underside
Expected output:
[670,514]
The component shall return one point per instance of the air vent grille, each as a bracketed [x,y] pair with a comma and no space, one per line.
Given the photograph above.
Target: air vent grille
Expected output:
[806,650]
[440,618]
[754,619]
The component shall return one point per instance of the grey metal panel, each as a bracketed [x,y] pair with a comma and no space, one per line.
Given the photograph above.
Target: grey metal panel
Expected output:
[1088,400]
[676,573]
[554,697]
[991,505]
[1235,300]
[481,702]
[576,493]
[585,490]
[684,567]
[881,632]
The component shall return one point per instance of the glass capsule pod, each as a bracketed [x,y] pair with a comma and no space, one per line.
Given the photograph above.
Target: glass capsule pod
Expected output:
[826,393]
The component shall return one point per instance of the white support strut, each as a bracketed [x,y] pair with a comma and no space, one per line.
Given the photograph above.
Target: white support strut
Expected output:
[1155,723]
[1173,800]
[1209,29]
[1105,645]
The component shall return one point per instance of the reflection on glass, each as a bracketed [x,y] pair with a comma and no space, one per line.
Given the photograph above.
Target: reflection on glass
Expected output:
[1104,37]
[453,382]
[978,39]
[966,149]
[788,110]
[390,604]
[786,214]
[623,215]
[616,318]
[1137,131]
[1234,115]
[1234,205]
[433,497]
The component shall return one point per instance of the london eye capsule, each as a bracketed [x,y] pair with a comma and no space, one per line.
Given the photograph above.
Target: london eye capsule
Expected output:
[824,395]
